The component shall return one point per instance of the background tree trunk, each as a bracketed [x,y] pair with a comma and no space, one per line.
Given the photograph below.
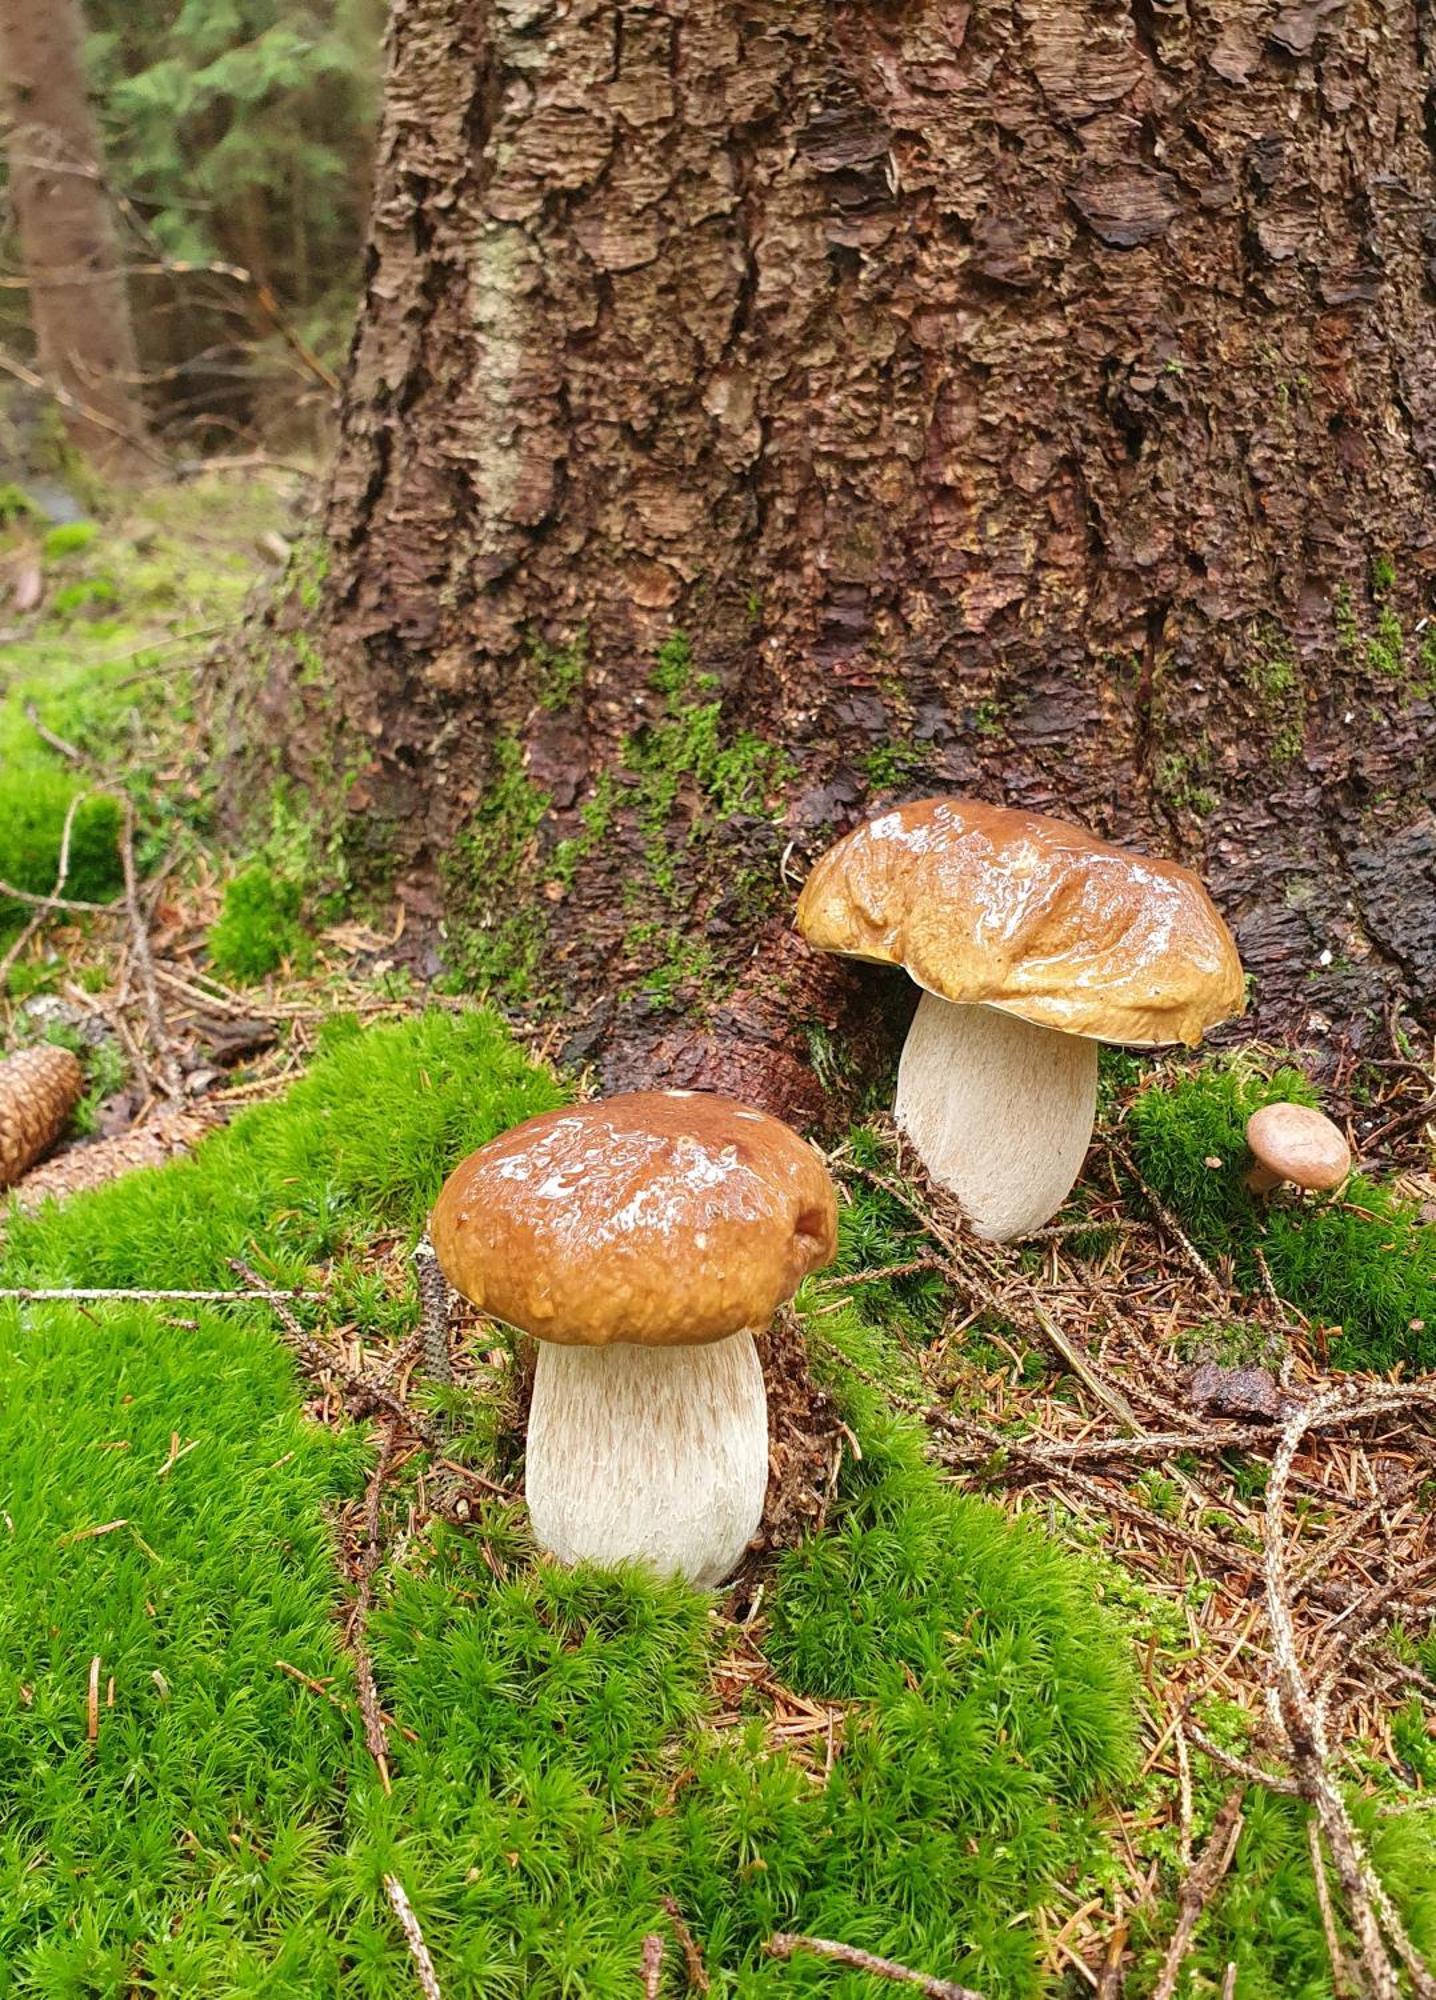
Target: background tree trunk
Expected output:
[1035,399]
[78,307]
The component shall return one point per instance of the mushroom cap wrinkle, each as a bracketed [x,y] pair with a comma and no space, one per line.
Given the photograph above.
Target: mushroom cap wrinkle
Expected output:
[985,905]
[655,1217]
[1296,1143]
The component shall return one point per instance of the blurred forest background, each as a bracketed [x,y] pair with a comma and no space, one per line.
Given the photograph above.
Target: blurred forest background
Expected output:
[237,144]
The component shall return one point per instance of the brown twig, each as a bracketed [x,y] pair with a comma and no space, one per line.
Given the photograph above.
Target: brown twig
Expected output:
[1198,1888]
[61,1294]
[1302,1716]
[783,1944]
[170,1081]
[654,1950]
[376,1736]
[423,1965]
[698,1980]
[52,901]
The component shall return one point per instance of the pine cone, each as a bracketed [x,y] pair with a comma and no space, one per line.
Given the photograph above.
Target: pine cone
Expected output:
[39,1088]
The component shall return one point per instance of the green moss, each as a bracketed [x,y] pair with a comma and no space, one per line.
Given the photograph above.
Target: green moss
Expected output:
[1382,575]
[1386,648]
[494,871]
[259,927]
[70,538]
[1362,1262]
[891,765]
[1348,633]
[34,801]
[1179,776]
[560,671]
[560,1763]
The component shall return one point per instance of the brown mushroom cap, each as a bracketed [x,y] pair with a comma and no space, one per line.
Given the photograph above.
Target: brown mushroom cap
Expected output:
[981,904]
[1299,1145]
[658,1217]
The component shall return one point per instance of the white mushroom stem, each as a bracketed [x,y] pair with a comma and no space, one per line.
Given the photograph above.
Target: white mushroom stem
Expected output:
[999,1111]
[656,1455]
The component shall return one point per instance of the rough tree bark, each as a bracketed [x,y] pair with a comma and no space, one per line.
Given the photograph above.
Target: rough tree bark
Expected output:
[78,307]
[1036,399]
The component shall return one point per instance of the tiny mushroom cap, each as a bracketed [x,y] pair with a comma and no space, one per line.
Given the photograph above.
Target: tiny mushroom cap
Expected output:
[1032,941]
[656,1217]
[1294,1142]
[644,1241]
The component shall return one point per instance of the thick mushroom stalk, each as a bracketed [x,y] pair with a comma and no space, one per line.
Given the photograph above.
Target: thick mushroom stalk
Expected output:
[656,1455]
[999,1111]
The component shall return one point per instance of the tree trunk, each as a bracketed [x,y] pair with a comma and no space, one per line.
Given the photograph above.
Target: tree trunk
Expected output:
[78,307]
[1035,400]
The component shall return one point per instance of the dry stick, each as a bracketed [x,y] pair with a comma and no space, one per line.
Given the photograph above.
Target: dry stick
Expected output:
[433,1312]
[960,1275]
[784,1943]
[170,1080]
[1170,1223]
[60,744]
[376,1736]
[414,1938]
[318,1359]
[51,902]
[1341,1976]
[58,1294]
[1303,1719]
[1200,1886]
[653,1954]
[693,1965]
[66,903]
[1238,1766]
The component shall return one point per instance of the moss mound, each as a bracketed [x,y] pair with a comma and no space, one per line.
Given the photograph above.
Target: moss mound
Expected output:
[1363,1262]
[226,1831]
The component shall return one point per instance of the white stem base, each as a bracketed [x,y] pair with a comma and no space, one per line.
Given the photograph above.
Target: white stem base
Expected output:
[1000,1112]
[656,1455]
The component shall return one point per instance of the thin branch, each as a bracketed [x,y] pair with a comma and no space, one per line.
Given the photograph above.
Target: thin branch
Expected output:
[654,1950]
[783,1944]
[414,1938]
[170,1080]
[1198,1888]
[698,1980]
[63,1294]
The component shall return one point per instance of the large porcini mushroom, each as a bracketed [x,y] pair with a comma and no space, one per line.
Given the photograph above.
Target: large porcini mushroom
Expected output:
[1295,1143]
[1033,941]
[643,1240]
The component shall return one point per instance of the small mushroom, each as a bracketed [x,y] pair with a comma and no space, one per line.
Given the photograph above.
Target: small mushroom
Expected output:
[1293,1142]
[1033,941]
[642,1240]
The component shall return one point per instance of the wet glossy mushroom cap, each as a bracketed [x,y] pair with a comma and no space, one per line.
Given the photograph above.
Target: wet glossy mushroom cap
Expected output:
[657,1217]
[981,904]
[1293,1142]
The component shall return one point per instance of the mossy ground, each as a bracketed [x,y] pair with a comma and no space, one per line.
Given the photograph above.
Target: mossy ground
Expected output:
[1361,1263]
[227,1832]
[578,1755]
[112,663]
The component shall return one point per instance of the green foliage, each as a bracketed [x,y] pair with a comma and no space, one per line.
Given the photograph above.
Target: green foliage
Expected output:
[242,127]
[70,538]
[34,800]
[1265,1918]
[259,926]
[1363,1263]
[16,505]
[891,764]
[1386,648]
[226,1832]
[560,671]
[493,873]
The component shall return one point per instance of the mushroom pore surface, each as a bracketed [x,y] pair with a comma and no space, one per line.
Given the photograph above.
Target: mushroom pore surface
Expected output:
[999,1111]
